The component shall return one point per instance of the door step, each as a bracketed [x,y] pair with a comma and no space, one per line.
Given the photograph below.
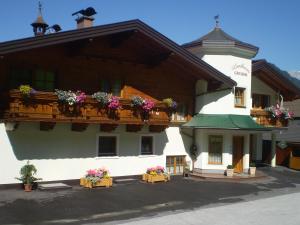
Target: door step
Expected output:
[53,186]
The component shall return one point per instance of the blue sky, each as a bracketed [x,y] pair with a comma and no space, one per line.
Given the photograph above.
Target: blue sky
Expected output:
[272,25]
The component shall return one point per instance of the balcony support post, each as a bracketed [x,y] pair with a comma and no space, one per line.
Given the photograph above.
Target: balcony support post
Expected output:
[273,149]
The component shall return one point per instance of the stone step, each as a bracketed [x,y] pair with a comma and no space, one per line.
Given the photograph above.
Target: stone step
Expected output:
[53,186]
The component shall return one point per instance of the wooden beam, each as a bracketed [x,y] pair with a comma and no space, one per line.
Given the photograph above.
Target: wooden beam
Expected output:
[46,126]
[157,128]
[134,127]
[79,127]
[116,40]
[105,127]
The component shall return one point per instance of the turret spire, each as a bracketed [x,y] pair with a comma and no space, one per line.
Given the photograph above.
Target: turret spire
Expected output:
[39,25]
[217,17]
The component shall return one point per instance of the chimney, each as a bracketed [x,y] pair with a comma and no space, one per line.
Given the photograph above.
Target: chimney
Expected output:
[85,17]
[84,21]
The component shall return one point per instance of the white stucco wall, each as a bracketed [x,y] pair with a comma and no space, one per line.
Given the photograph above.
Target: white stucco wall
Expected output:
[259,87]
[202,145]
[62,154]
[239,70]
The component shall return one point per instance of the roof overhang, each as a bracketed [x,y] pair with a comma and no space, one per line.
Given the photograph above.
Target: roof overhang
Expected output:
[224,122]
[116,28]
[275,78]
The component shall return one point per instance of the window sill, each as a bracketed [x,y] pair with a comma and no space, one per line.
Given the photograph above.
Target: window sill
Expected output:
[239,106]
[218,164]
[107,157]
[147,156]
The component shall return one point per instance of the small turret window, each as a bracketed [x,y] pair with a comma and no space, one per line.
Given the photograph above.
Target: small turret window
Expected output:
[239,97]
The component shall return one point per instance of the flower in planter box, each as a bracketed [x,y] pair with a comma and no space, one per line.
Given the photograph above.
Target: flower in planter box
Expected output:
[114,103]
[137,101]
[148,105]
[95,175]
[279,112]
[80,97]
[170,103]
[26,90]
[101,97]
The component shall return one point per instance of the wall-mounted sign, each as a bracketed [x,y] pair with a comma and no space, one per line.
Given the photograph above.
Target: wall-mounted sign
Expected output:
[240,69]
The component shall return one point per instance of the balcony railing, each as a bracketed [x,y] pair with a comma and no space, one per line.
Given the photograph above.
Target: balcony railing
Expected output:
[45,106]
[264,118]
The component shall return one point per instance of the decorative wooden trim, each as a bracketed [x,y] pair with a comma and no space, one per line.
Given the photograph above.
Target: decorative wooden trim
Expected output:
[108,127]
[134,127]
[157,128]
[104,182]
[79,127]
[155,178]
[46,126]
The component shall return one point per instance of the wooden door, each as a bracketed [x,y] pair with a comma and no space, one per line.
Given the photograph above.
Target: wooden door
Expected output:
[237,153]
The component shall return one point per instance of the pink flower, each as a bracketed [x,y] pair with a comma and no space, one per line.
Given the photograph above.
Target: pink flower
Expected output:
[80,97]
[148,105]
[114,103]
[91,172]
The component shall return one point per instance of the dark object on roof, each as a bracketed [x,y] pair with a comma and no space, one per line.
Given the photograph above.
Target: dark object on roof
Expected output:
[224,122]
[278,79]
[90,11]
[39,25]
[220,39]
[116,29]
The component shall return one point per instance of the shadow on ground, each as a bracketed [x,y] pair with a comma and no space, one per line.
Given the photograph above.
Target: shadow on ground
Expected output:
[82,206]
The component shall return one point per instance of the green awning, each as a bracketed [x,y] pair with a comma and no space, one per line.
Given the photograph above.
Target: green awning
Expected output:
[224,121]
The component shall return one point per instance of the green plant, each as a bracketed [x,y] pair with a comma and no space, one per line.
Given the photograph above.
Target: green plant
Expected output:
[27,173]
[252,164]
[230,167]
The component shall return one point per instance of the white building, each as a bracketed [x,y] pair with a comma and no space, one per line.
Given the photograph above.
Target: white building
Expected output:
[212,80]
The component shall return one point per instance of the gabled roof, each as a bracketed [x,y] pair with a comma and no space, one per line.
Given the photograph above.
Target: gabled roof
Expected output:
[97,31]
[276,78]
[220,39]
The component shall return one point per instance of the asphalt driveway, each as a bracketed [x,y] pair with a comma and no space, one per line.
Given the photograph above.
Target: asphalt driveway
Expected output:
[136,199]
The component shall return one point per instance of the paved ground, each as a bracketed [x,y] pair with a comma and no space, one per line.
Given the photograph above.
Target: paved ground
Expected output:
[130,202]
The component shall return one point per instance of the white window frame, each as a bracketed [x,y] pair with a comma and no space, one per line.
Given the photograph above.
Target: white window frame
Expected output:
[153,145]
[223,148]
[117,145]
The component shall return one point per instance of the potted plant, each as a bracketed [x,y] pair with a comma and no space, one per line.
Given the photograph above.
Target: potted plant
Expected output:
[229,171]
[252,169]
[27,173]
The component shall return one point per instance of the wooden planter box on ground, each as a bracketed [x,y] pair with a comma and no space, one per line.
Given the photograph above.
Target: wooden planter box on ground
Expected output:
[105,182]
[155,178]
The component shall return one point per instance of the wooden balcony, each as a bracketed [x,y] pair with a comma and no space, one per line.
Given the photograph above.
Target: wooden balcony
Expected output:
[45,108]
[265,119]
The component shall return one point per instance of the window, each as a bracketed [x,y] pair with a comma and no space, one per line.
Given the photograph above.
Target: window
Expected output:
[107,146]
[180,114]
[239,97]
[105,86]
[40,80]
[18,77]
[260,101]
[114,87]
[215,149]
[147,145]
[44,80]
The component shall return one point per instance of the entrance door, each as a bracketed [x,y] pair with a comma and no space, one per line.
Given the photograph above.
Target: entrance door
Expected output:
[237,153]
[175,164]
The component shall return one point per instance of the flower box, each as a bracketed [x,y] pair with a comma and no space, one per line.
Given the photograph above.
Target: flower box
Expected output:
[155,178]
[104,182]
